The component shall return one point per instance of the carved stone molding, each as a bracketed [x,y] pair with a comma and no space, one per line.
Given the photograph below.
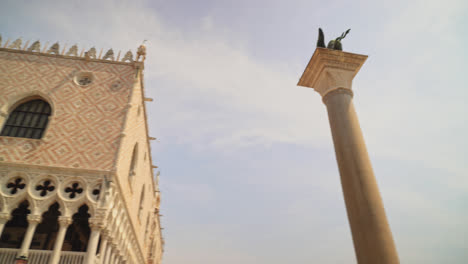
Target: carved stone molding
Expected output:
[65,220]
[330,69]
[339,90]
[96,223]
[34,219]
[5,217]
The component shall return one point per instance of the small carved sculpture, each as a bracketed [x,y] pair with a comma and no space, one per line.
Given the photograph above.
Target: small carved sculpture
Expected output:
[54,49]
[333,44]
[141,52]
[109,55]
[36,46]
[73,51]
[128,57]
[16,44]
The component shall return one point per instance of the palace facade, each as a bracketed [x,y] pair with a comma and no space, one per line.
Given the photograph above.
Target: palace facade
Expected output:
[77,180]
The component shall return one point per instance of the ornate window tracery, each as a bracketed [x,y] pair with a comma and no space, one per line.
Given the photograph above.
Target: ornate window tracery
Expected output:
[73,190]
[16,185]
[28,120]
[45,188]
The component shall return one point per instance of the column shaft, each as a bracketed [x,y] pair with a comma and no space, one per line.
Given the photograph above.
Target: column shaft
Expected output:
[102,249]
[113,255]
[27,239]
[108,253]
[64,222]
[2,225]
[92,246]
[4,218]
[373,241]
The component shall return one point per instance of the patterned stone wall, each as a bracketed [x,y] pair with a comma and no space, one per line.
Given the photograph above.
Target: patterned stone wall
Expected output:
[86,122]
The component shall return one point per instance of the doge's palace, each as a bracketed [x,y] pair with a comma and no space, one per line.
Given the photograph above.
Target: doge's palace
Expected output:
[76,171]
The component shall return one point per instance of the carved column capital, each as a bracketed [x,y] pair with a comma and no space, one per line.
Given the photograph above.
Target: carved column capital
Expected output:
[34,219]
[105,233]
[331,69]
[5,217]
[96,223]
[113,245]
[339,90]
[65,221]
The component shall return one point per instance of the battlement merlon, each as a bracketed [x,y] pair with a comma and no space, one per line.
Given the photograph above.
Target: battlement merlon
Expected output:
[72,52]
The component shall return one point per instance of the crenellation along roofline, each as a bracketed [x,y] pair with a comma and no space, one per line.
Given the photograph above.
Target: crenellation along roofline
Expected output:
[72,53]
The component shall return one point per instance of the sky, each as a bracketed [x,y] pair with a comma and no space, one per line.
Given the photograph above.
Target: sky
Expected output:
[248,171]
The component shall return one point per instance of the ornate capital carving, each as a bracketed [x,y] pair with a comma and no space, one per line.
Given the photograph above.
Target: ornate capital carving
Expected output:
[34,219]
[5,217]
[65,221]
[96,223]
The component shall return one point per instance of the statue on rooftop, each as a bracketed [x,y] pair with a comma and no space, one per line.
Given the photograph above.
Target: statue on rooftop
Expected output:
[333,44]
[141,52]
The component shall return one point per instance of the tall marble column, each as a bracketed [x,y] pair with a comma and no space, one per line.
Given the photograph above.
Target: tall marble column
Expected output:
[330,73]
[4,218]
[64,222]
[33,221]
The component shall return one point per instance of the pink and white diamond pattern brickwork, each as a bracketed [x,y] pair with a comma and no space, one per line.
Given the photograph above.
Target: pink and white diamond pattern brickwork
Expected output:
[86,121]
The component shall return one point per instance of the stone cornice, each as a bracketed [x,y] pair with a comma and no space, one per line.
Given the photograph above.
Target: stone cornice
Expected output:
[330,69]
[51,169]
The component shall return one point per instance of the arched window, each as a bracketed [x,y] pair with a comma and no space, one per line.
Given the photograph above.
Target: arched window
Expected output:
[28,120]
[133,162]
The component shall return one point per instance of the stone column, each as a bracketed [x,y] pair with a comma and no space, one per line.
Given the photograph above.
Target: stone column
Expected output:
[4,218]
[33,221]
[113,253]
[103,247]
[108,252]
[330,73]
[64,222]
[94,225]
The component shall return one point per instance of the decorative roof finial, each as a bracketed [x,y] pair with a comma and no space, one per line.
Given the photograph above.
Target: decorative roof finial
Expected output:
[141,52]
[91,53]
[128,57]
[109,55]
[73,51]
[16,44]
[54,49]
[36,46]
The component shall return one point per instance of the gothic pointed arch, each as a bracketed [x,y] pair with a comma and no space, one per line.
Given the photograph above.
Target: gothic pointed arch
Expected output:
[29,119]
[46,231]
[77,235]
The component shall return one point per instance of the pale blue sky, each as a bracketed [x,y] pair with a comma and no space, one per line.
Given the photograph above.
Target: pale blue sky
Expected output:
[248,173]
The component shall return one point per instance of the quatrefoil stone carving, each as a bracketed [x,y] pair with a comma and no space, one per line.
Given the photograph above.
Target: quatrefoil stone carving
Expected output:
[16,185]
[46,187]
[73,190]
